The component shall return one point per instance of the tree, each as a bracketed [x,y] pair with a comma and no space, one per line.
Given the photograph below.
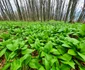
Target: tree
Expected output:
[82,15]
[18,9]
[72,13]
[41,2]
[31,10]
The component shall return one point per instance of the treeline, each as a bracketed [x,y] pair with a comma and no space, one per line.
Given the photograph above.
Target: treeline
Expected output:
[43,10]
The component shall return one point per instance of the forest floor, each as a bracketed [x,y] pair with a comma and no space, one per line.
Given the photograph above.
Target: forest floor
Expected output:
[49,45]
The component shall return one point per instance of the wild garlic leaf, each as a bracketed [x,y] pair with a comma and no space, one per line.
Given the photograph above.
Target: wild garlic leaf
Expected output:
[48,47]
[2,52]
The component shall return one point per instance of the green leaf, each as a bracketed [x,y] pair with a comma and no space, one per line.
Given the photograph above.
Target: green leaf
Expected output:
[54,61]
[12,47]
[66,45]
[2,52]
[41,68]
[82,30]
[47,66]
[66,57]
[82,47]
[48,47]
[55,51]
[43,54]
[22,44]
[12,55]
[27,51]
[81,55]
[5,36]
[24,57]
[16,65]
[6,66]
[53,68]
[70,63]
[72,40]
[64,67]
[25,47]
[61,50]
[82,67]
[37,44]
[71,52]
[34,64]
[49,57]
[18,30]
[30,41]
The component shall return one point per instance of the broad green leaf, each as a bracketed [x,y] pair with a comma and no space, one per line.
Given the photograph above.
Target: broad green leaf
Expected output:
[17,30]
[66,45]
[25,47]
[6,66]
[82,30]
[41,68]
[61,50]
[24,57]
[16,65]
[70,63]
[37,44]
[30,41]
[2,52]
[81,55]
[47,66]
[5,36]
[82,47]
[53,68]
[12,55]
[64,67]
[66,57]
[57,68]
[4,43]
[12,47]
[55,51]
[48,47]
[71,52]
[72,40]
[82,67]
[27,51]
[27,59]
[43,54]
[34,64]
[22,44]
[54,61]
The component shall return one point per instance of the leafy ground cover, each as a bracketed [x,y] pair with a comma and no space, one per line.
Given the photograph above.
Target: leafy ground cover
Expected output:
[42,46]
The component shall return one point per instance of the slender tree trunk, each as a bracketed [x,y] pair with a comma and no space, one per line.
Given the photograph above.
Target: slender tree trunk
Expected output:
[18,9]
[49,1]
[82,13]
[67,13]
[41,9]
[72,14]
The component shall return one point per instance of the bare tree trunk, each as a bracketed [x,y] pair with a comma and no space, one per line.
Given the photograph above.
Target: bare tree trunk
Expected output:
[18,9]
[62,9]
[3,12]
[28,12]
[41,9]
[11,10]
[33,10]
[49,1]
[44,10]
[72,15]
[69,5]
[82,13]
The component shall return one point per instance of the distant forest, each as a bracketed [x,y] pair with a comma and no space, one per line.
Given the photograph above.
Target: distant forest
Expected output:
[41,10]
